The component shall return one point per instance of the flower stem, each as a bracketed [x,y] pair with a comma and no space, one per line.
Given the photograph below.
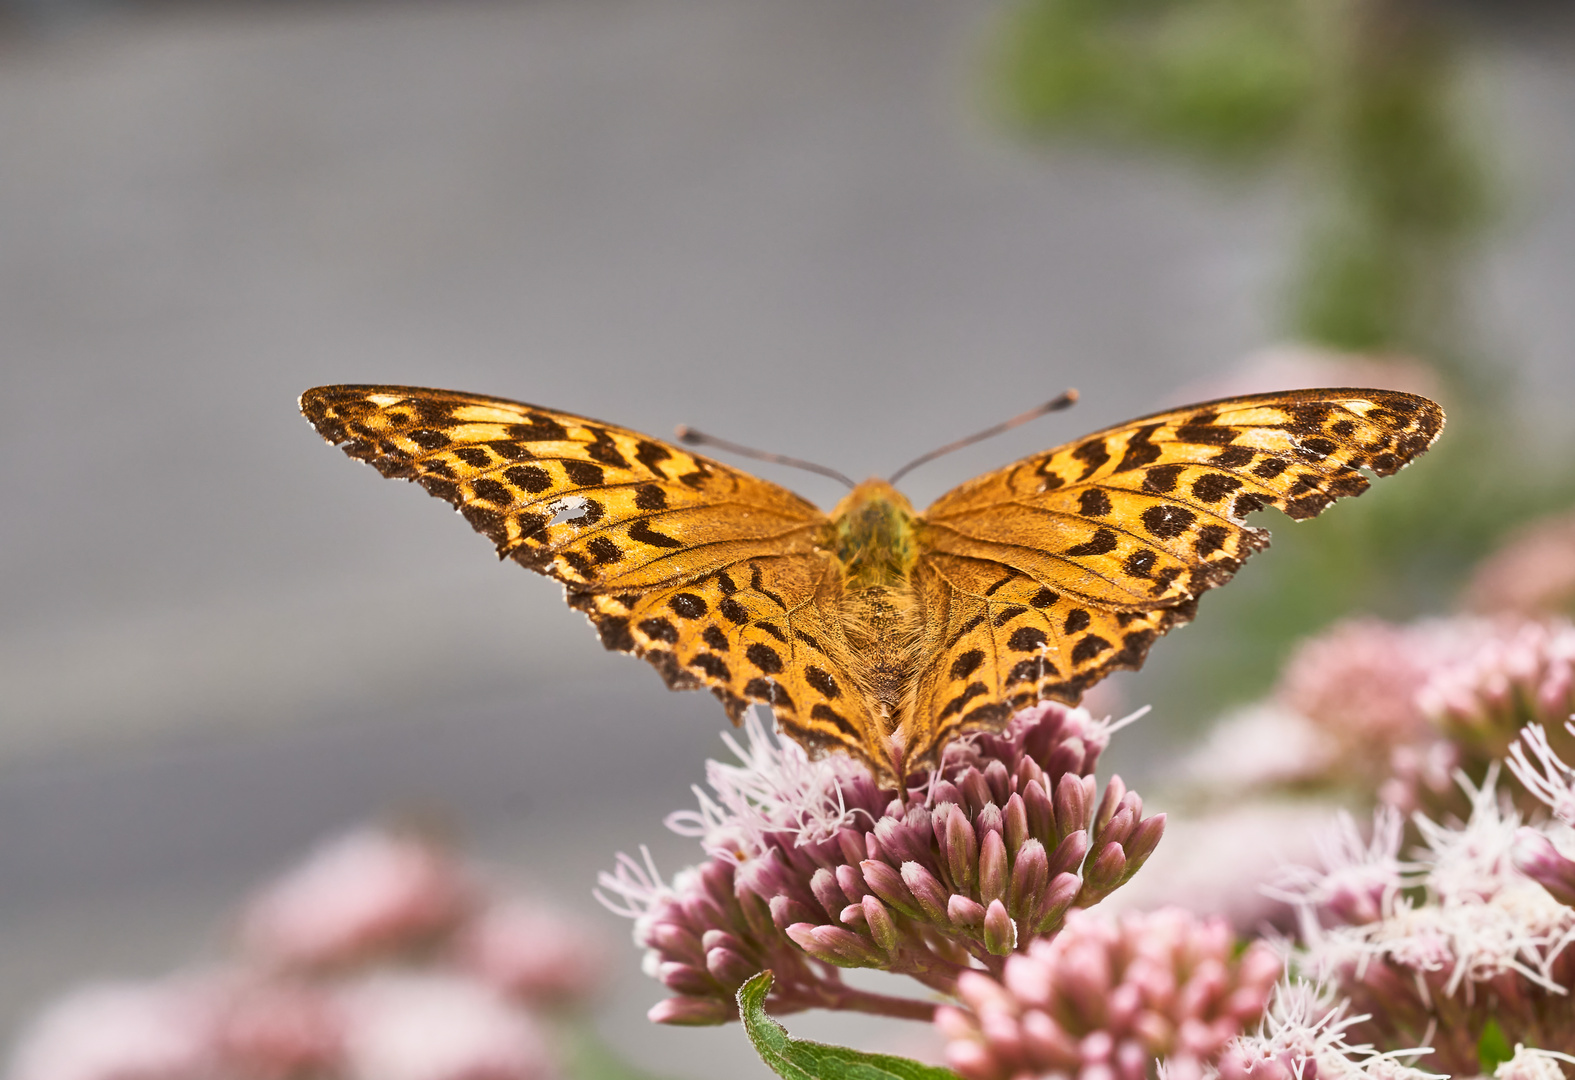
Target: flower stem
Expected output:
[851,1000]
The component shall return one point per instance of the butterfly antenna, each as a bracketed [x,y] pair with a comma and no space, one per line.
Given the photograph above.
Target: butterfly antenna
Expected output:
[690,437]
[1065,401]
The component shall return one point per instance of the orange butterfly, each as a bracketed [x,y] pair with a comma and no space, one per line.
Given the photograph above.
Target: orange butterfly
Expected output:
[877,629]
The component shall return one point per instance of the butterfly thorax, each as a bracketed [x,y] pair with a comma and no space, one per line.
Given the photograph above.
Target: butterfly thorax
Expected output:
[874,539]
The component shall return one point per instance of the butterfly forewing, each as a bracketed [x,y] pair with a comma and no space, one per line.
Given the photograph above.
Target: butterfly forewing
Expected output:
[1042,577]
[716,577]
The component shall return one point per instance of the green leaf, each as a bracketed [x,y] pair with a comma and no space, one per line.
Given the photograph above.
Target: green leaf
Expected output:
[800,1059]
[1493,1048]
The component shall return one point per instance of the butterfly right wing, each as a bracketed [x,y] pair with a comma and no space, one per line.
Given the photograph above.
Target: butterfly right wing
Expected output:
[1039,579]
[717,578]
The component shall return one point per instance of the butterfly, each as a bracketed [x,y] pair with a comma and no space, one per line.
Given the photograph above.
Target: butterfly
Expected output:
[876,629]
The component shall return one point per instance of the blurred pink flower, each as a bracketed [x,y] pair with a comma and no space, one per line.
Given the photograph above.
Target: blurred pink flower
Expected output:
[1105,998]
[1533,573]
[121,1031]
[1502,674]
[532,951]
[267,1028]
[1358,682]
[435,1027]
[367,892]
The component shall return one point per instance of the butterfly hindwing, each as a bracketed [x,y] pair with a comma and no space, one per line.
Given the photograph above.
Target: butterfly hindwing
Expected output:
[1126,528]
[716,577]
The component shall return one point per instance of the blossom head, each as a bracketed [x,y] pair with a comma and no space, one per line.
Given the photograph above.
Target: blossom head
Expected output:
[1106,997]
[812,859]
[366,892]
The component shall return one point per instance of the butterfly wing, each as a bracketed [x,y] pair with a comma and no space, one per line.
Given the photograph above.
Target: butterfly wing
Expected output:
[716,577]
[1039,579]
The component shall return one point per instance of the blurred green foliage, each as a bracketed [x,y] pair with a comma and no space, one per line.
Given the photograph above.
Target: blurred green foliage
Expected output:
[1360,103]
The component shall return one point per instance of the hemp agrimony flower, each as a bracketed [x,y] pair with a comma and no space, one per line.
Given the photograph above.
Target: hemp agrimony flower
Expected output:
[813,866]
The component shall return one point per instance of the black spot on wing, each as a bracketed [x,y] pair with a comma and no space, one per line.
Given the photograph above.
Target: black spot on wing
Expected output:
[765,658]
[967,663]
[1092,454]
[1088,648]
[659,630]
[1162,478]
[822,681]
[687,605]
[583,473]
[1093,503]
[1101,543]
[1168,522]
[531,478]
[1140,449]
[642,531]
[714,638]
[1026,639]
[1212,487]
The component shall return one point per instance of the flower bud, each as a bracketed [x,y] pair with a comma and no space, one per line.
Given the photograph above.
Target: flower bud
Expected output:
[1117,829]
[992,867]
[729,967]
[1041,814]
[785,911]
[824,885]
[882,928]
[1071,805]
[685,978]
[691,1011]
[975,790]
[1105,871]
[964,912]
[1000,933]
[927,891]
[1052,905]
[962,851]
[1000,781]
[886,883]
[1537,858]
[1030,875]
[1115,791]
[1014,824]
[1144,839]
[1069,853]
[833,945]
[851,882]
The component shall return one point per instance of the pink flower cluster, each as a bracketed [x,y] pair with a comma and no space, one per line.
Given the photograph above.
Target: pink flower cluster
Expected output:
[381,957]
[1402,707]
[1106,997]
[1428,951]
[813,867]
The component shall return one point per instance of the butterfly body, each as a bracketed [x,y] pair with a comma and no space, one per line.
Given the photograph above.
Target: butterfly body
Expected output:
[878,629]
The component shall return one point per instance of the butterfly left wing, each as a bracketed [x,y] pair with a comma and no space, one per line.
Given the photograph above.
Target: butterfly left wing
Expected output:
[1039,579]
[719,579]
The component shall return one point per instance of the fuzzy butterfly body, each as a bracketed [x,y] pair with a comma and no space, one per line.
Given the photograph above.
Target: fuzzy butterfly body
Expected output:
[877,629]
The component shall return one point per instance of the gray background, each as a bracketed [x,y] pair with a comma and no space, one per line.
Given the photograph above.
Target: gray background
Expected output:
[787,223]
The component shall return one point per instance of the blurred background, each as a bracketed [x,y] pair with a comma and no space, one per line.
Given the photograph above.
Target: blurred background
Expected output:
[847,230]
